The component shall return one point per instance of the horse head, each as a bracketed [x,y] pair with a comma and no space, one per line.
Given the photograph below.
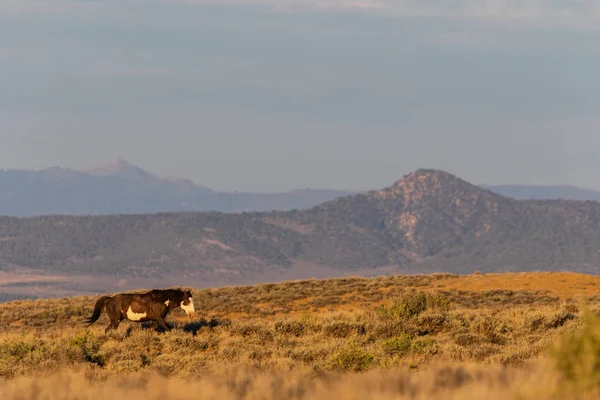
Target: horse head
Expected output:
[187,303]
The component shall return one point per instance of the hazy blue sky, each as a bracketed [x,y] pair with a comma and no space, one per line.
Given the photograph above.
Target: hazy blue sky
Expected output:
[272,95]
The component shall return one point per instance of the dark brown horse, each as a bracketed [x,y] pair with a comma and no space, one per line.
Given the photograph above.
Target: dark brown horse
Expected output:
[150,306]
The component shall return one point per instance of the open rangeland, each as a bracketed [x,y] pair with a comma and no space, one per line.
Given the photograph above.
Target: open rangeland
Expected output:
[497,336]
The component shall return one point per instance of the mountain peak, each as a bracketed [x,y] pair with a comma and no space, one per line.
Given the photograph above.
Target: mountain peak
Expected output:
[427,175]
[424,183]
[117,163]
[119,167]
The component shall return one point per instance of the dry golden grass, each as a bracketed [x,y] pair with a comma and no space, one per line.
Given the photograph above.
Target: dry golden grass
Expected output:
[562,284]
[436,336]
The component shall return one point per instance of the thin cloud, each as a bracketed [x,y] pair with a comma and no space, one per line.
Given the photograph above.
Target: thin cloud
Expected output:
[44,7]
[506,9]
[499,9]
[574,13]
[292,4]
[114,70]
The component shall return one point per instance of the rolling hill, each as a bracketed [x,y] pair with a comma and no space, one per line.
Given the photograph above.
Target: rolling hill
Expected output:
[427,221]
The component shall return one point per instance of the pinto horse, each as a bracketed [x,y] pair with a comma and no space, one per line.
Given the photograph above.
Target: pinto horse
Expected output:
[150,306]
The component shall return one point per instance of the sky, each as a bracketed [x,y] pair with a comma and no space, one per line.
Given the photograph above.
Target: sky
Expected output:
[272,95]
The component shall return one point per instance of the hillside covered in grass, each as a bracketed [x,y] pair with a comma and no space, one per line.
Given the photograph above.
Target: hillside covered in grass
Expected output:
[471,332]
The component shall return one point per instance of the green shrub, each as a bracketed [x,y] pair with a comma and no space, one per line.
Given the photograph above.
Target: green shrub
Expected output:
[412,304]
[424,345]
[352,358]
[577,354]
[399,345]
[89,347]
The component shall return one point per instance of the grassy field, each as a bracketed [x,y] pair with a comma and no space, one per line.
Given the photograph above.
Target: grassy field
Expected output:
[502,336]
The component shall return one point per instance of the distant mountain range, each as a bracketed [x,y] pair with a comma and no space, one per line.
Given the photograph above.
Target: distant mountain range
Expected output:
[427,221]
[545,192]
[119,187]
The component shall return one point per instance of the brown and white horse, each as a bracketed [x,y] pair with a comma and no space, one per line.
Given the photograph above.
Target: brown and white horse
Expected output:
[150,306]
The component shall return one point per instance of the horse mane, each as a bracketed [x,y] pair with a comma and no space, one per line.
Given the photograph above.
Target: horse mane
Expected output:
[163,295]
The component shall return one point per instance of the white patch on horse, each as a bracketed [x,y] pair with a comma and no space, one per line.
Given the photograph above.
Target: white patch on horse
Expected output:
[133,316]
[189,309]
[167,303]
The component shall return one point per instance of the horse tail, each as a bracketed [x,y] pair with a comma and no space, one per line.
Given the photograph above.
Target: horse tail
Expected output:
[97,310]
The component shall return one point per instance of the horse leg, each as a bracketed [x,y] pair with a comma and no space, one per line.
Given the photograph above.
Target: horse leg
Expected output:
[114,324]
[161,321]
